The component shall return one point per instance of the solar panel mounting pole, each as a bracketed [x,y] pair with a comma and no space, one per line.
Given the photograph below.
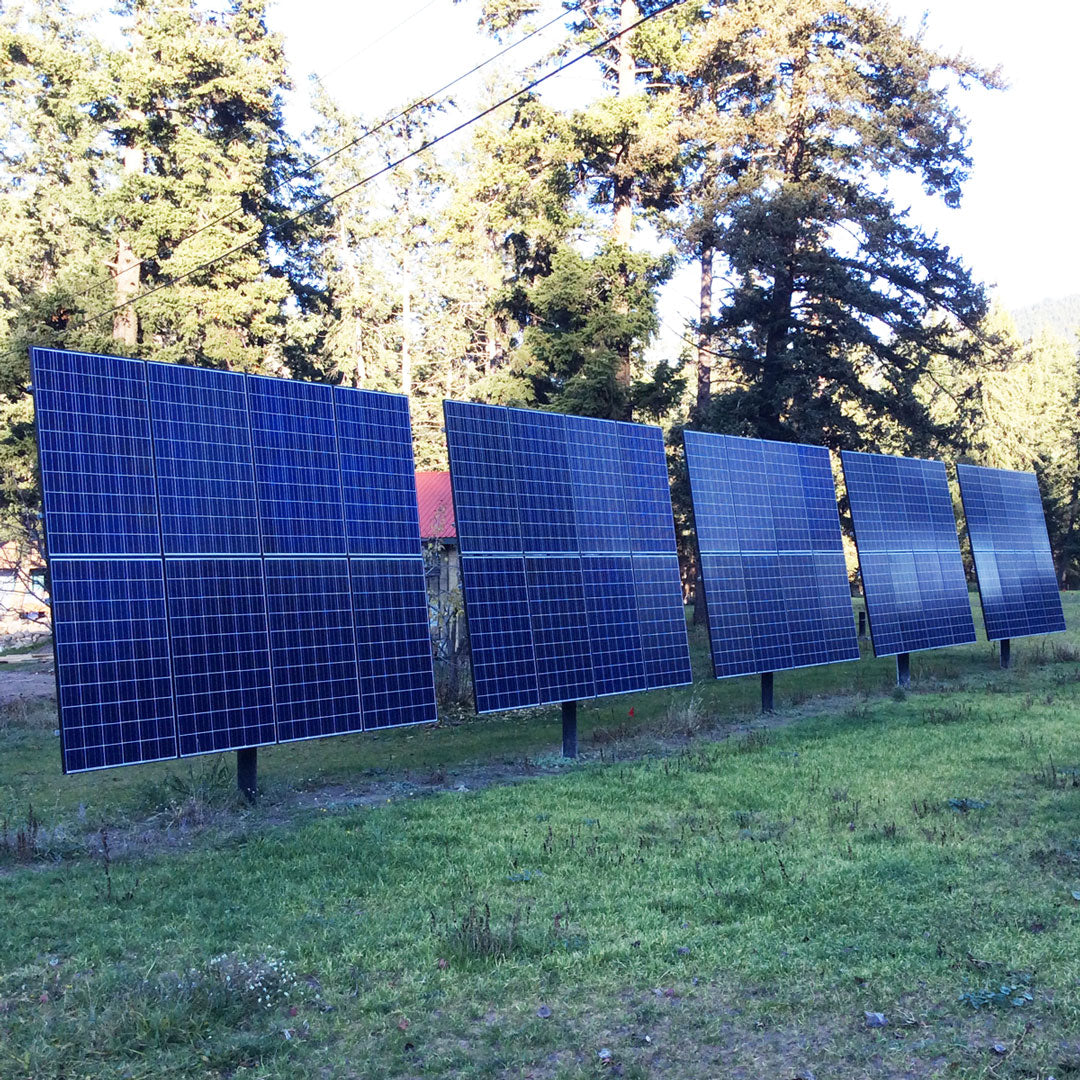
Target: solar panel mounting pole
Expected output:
[766,691]
[862,624]
[569,729]
[247,772]
[903,669]
[1006,652]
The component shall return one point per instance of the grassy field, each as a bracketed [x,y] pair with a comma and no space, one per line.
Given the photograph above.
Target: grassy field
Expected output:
[706,894]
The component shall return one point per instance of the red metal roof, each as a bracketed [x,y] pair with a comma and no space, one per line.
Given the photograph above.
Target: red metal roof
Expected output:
[436,505]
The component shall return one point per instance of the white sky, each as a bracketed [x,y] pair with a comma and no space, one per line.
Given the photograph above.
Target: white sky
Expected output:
[1017,227]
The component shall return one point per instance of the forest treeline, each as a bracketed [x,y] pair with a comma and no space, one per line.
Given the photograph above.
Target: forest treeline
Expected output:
[154,202]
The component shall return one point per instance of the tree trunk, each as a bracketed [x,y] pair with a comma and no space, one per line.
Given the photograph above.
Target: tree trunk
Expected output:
[704,395]
[406,326]
[623,190]
[704,355]
[125,267]
[769,404]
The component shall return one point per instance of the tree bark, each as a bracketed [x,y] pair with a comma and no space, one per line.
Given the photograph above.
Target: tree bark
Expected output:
[406,321]
[125,266]
[704,354]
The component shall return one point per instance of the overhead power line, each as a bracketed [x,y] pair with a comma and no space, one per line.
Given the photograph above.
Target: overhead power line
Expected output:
[320,203]
[382,125]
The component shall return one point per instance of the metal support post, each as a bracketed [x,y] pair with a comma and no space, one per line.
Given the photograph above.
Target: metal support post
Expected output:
[862,624]
[903,669]
[247,772]
[766,691]
[569,729]
[1005,645]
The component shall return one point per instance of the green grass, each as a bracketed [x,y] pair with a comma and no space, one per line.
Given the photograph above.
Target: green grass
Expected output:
[728,903]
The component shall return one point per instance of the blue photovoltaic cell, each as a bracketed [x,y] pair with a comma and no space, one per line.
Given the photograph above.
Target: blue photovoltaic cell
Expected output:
[646,488]
[312,647]
[486,498]
[597,475]
[551,512]
[377,473]
[614,633]
[772,561]
[393,642]
[211,605]
[544,486]
[97,468]
[112,659]
[661,620]
[202,450]
[909,556]
[560,628]
[221,661]
[500,632]
[296,467]
[1011,548]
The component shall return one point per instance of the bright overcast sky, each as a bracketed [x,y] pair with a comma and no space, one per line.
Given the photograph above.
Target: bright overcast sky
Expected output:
[1017,228]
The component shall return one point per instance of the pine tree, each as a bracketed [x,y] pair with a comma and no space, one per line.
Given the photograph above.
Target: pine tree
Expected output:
[837,300]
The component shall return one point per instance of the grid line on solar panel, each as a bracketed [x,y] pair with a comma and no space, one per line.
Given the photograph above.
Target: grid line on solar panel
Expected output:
[909,554]
[297,471]
[1010,545]
[549,510]
[203,461]
[378,476]
[776,586]
[95,450]
[112,657]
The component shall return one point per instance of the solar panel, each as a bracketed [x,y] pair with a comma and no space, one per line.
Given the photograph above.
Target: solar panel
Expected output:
[97,468]
[202,453]
[393,642]
[378,476]
[114,679]
[235,560]
[1011,548]
[909,556]
[296,467]
[772,557]
[571,581]
[312,647]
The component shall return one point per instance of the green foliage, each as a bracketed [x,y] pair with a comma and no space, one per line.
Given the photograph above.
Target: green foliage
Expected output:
[583,318]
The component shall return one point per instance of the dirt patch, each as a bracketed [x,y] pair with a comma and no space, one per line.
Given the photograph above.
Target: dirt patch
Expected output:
[26,684]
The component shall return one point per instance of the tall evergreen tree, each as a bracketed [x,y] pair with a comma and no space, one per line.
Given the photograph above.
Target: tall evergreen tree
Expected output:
[836,299]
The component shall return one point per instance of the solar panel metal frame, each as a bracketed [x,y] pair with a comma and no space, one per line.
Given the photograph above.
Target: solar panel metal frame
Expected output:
[711,458]
[985,546]
[407,553]
[490,510]
[923,534]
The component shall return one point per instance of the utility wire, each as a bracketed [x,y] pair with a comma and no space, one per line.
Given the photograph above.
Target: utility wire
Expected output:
[349,145]
[318,205]
[371,44]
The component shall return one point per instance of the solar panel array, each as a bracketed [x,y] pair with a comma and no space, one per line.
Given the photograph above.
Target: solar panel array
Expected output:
[572,585]
[909,555]
[235,560]
[1009,542]
[772,557]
